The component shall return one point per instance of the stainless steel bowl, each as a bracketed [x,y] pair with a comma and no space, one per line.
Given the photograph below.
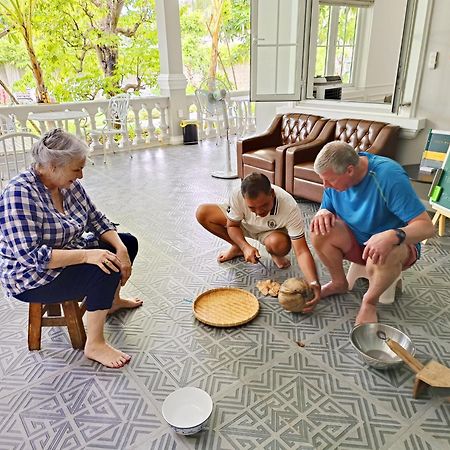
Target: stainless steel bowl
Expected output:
[373,350]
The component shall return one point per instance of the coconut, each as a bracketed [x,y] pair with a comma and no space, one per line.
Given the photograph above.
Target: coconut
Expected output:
[294,293]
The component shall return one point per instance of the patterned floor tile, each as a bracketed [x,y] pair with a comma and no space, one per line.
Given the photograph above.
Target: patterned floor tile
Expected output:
[79,408]
[268,392]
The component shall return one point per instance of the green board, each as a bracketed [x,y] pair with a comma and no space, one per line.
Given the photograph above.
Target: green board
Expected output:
[440,189]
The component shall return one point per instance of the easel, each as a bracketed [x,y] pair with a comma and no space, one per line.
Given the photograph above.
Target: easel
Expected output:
[439,198]
[440,216]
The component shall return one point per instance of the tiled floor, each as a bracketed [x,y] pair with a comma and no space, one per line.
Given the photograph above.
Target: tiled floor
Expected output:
[268,392]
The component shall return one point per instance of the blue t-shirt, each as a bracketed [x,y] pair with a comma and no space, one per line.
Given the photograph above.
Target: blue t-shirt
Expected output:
[383,200]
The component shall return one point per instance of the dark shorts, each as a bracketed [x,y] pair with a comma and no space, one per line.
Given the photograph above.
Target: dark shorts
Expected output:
[356,250]
[83,280]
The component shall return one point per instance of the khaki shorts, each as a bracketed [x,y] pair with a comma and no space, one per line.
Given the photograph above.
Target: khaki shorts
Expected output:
[261,236]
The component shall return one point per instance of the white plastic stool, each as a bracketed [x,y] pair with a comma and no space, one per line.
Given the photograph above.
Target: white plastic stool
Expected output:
[359,271]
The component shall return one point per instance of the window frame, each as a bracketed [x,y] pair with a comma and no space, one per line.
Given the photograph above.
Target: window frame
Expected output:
[308,69]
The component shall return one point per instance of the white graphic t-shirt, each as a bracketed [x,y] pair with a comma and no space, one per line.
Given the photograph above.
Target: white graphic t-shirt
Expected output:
[285,214]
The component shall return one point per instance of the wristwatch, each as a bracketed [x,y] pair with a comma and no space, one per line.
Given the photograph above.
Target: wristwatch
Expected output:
[401,235]
[314,283]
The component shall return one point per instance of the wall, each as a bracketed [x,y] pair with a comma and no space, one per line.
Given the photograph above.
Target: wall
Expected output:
[385,40]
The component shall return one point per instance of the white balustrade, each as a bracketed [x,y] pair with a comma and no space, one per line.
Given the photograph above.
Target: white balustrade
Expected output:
[240,117]
[147,121]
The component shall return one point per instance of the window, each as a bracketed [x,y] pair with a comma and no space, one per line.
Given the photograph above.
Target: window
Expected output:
[374,46]
[336,41]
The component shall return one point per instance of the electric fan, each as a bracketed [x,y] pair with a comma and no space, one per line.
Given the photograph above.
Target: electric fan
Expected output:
[212,99]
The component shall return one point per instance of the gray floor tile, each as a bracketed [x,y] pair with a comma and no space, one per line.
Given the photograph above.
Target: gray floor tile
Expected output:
[268,392]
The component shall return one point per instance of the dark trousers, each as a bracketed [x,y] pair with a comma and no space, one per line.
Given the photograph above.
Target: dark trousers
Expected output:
[83,280]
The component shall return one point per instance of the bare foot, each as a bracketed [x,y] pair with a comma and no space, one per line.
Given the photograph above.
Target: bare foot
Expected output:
[106,355]
[281,262]
[367,314]
[125,303]
[227,255]
[333,288]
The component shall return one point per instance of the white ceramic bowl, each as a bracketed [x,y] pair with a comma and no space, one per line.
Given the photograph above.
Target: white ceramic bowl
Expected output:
[187,410]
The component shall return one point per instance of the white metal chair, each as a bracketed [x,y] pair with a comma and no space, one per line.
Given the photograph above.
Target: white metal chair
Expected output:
[115,124]
[15,156]
[7,124]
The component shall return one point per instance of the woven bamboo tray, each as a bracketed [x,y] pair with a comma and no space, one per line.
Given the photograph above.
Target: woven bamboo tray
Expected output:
[225,307]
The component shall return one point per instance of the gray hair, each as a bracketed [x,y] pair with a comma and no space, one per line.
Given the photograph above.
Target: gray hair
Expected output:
[337,156]
[58,148]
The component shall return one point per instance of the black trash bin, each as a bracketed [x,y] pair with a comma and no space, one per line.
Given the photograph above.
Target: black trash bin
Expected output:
[190,132]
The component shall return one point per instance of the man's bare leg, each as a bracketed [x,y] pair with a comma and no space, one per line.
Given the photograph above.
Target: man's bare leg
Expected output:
[331,248]
[380,278]
[96,347]
[278,245]
[212,218]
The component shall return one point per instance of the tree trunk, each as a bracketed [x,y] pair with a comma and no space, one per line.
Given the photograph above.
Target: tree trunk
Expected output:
[216,22]
[108,57]
[42,92]
[108,54]
[9,92]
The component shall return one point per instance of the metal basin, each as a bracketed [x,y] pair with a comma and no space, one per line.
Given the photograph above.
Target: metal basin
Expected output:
[373,350]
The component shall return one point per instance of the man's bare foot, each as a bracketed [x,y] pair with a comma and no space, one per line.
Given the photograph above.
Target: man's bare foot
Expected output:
[227,255]
[367,314]
[281,262]
[333,288]
[106,355]
[125,303]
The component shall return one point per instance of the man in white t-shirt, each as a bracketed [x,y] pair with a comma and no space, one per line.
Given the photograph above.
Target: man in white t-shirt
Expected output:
[267,214]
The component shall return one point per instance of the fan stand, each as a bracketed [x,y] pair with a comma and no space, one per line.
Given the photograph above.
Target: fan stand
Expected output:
[226,174]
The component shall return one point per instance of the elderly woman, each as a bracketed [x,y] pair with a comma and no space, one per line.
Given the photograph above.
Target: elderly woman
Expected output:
[56,246]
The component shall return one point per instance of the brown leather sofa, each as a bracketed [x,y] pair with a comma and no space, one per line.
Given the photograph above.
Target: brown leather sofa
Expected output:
[265,153]
[363,135]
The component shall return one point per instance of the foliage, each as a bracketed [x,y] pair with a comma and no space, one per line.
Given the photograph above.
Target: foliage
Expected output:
[73,45]
[67,36]
[234,45]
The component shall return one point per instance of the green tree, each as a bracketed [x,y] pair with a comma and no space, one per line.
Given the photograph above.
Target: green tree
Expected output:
[85,46]
[18,14]
[202,51]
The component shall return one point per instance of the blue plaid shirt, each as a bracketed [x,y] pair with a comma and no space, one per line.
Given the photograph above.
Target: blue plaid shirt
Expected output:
[30,227]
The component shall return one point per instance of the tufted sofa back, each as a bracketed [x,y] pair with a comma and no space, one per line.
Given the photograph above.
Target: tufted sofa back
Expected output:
[297,127]
[360,134]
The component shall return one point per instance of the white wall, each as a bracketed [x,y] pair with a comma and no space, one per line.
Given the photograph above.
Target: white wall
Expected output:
[384,45]
[434,94]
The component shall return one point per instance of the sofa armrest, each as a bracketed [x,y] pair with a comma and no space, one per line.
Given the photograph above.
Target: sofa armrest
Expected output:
[270,138]
[385,143]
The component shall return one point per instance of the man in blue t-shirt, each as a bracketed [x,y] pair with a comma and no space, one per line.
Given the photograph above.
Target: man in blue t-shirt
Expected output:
[371,215]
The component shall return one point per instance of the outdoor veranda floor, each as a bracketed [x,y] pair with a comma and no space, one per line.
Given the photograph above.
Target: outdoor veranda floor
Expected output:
[268,392]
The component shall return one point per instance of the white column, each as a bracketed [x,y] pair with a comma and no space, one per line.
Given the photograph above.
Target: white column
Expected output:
[171,79]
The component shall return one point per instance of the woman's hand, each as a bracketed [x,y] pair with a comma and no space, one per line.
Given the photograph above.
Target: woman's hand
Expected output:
[125,265]
[106,260]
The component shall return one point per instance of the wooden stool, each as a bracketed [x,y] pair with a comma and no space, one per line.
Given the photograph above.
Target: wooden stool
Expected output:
[359,271]
[72,319]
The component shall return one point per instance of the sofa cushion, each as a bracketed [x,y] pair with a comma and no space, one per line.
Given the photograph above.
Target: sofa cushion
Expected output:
[263,158]
[306,171]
